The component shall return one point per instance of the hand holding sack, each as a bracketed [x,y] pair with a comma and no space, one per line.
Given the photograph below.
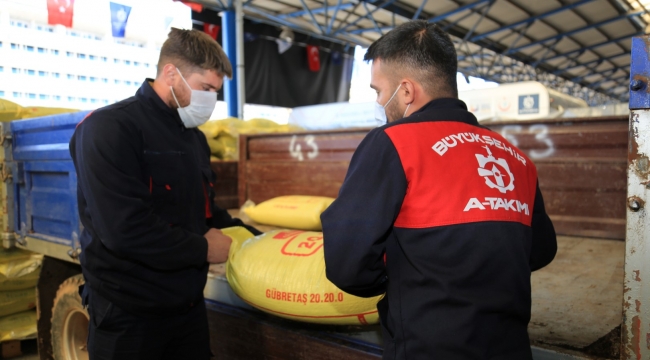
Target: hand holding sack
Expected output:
[282,273]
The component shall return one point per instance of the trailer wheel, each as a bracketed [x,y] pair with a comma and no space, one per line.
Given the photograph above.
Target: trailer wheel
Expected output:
[69,322]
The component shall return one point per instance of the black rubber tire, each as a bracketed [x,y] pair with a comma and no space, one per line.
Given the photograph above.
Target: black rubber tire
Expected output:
[69,322]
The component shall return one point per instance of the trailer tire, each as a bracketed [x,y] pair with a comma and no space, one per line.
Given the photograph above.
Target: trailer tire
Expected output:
[69,322]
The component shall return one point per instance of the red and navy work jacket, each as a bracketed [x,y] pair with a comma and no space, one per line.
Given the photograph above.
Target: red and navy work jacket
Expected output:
[445,217]
[145,201]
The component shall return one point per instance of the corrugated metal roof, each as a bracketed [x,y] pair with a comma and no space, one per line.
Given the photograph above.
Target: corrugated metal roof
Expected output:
[579,47]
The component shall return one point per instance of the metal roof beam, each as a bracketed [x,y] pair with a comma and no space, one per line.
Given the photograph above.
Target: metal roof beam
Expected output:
[336,11]
[311,15]
[591,26]
[438,18]
[389,2]
[275,20]
[314,11]
[590,47]
[419,11]
[529,20]
[597,61]
[432,20]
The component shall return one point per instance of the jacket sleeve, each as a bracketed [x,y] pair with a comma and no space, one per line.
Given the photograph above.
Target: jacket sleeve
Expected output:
[220,217]
[356,225]
[107,155]
[544,244]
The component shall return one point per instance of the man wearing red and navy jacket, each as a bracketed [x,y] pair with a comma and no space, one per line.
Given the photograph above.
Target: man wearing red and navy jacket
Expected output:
[441,214]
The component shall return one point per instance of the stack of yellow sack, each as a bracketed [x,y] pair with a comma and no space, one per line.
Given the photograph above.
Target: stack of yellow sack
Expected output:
[222,135]
[282,272]
[11,111]
[19,271]
[292,211]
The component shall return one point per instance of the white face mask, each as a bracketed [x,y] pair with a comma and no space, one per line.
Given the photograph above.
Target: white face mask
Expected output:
[380,111]
[201,106]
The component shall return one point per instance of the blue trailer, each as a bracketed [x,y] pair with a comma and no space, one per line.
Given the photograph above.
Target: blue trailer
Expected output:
[40,215]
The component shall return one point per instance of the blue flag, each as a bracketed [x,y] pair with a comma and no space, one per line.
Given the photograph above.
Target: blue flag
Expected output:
[119,16]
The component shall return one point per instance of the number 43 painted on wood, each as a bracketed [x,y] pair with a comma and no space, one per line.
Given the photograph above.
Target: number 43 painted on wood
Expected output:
[295,149]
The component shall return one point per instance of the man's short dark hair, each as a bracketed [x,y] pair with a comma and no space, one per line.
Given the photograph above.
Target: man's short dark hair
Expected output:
[192,51]
[421,50]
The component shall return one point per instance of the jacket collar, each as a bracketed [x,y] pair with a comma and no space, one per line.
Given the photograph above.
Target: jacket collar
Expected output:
[148,96]
[444,109]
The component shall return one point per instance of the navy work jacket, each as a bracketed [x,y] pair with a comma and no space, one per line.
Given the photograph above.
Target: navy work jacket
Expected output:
[145,198]
[444,216]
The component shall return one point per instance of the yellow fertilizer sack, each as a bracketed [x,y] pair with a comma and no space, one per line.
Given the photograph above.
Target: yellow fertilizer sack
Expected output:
[18,268]
[18,326]
[295,212]
[282,272]
[24,282]
[15,301]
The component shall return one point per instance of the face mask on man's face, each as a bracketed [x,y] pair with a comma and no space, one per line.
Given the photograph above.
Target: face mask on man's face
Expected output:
[380,111]
[201,106]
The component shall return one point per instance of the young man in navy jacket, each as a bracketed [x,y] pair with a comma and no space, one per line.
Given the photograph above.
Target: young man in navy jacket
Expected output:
[146,203]
[441,214]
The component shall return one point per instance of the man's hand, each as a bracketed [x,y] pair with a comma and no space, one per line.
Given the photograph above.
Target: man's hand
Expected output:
[218,246]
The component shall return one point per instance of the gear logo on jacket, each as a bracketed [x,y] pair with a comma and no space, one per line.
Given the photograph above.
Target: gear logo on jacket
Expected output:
[494,175]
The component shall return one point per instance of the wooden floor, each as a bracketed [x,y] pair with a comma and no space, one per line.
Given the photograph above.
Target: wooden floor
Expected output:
[578,298]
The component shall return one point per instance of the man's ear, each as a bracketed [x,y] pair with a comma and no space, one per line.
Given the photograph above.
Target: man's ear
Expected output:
[409,91]
[168,75]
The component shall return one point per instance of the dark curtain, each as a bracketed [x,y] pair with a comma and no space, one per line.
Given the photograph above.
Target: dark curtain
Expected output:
[285,79]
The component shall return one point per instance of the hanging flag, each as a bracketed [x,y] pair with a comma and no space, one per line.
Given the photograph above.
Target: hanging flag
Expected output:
[282,45]
[212,30]
[337,58]
[313,57]
[168,21]
[192,5]
[59,12]
[119,16]
[250,37]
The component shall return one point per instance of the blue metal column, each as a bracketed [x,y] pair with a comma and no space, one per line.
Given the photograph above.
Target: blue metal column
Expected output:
[230,47]
[635,333]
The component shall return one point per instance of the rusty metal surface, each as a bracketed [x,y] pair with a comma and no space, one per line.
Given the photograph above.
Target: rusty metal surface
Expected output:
[635,331]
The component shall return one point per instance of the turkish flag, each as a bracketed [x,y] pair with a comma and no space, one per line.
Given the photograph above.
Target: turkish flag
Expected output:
[192,5]
[313,57]
[212,30]
[59,12]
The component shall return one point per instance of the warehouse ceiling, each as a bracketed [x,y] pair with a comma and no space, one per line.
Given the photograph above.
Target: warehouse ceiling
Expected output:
[580,47]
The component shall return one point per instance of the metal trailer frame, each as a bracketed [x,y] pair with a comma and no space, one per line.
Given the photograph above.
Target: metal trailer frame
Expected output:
[635,335]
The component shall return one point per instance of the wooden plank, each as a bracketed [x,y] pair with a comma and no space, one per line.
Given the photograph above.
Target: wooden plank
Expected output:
[313,173]
[307,142]
[584,203]
[225,169]
[242,334]
[594,227]
[243,164]
[587,176]
[323,156]
[11,349]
